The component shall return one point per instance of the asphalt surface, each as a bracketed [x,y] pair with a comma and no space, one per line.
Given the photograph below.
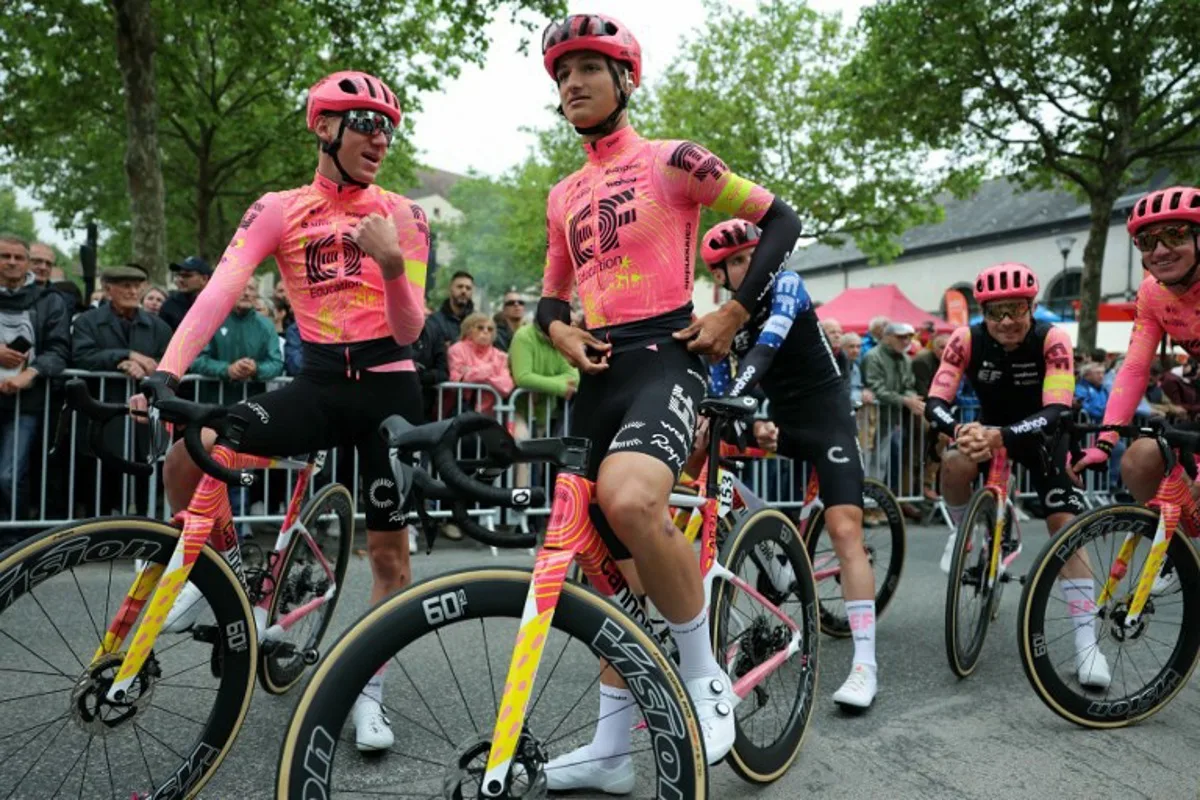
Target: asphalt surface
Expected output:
[929,734]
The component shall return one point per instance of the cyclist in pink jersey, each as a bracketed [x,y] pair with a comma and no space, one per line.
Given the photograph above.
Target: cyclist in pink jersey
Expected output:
[1165,226]
[623,231]
[353,258]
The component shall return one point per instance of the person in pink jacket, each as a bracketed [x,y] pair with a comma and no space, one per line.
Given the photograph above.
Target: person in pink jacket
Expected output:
[473,359]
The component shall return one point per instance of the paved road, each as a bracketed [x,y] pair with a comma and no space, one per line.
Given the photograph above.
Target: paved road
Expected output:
[929,735]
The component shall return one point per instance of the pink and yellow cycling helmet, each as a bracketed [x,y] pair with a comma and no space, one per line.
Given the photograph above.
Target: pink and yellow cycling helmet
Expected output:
[726,238]
[1005,281]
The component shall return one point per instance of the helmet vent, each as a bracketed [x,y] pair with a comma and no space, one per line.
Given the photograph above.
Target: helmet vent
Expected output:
[347,86]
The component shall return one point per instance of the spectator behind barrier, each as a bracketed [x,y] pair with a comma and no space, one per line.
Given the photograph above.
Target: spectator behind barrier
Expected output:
[34,346]
[433,366]
[474,360]
[833,333]
[244,353]
[1181,391]
[876,330]
[889,375]
[191,276]
[153,299]
[1090,394]
[447,320]
[537,366]
[41,262]
[509,318]
[859,394]
[925,364]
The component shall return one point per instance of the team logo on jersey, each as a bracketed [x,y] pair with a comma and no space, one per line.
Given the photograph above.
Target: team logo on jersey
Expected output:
[422,222]
[321,257]
[955,354]
[251,215]
[1058,356]
[699,162]
[609,217]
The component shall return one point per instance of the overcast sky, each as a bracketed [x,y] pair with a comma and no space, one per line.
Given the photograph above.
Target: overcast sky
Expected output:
[474,123]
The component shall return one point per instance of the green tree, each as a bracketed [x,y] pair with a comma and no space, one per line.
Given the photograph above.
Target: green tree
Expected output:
[230,80]
[1093,97]
[764,92]
[13,218]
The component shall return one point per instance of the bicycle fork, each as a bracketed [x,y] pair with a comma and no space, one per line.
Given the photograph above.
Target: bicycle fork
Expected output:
[1168,521]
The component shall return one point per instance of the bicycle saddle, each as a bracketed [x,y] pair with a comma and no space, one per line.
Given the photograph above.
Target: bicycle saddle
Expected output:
[729,407]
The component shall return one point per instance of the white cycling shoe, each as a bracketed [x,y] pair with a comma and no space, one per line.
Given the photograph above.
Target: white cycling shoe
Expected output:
[372,729]
[714,700]
[1092,668]
[1165,584]
[859,689]
[580,770]
[948,554]
[187,609]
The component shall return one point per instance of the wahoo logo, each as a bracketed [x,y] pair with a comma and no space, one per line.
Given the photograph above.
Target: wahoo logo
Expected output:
[1029,425]
[744,379]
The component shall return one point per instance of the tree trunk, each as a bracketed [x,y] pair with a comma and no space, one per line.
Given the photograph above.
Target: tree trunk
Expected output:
[1093,260]
[143,166]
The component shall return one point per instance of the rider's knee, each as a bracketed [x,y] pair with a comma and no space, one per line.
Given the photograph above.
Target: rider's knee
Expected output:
[844,523]
[630,505]
[1142,463]
[389,556]
[958,470]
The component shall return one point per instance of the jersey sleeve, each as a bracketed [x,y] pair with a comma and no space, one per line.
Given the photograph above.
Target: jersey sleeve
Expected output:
[1058,387]
[720,373]
[691,175]
[257,236]
[944,387]
[1130,383]
[558,276]
[788,299]
[404,295]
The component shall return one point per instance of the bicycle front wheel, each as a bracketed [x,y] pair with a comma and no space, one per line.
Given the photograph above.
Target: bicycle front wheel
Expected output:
[885,546]
[969,598]
[765,551]
[59,732]
[1149,660]
[443,648]
[304,577]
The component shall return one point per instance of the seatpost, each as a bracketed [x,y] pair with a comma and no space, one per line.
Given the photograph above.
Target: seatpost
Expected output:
[715,429]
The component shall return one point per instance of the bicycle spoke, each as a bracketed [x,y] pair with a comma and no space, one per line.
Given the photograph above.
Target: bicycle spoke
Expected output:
[421,697]
[38,760]
[42,725]
[6,635]
[487,655]
[112,788]
[142,752]
[56,630]
[87,755]
[545,683]
[150,733]
[177,714]
[29,696]
[88,611]
[457,685]
[35,672]
[575,705]
[67,772]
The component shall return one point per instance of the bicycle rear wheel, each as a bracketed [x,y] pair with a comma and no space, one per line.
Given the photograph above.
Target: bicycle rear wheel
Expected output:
[328,517]
[966,629]
[765,551]
[885,547]
[1151,660]
[446,712]
[58,594]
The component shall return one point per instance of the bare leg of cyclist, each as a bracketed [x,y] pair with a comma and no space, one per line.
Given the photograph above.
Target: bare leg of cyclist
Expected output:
[632,490]
[958,475]
[844,523]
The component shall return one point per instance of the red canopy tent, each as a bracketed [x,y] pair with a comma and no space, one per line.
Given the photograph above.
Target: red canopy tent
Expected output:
[855,308]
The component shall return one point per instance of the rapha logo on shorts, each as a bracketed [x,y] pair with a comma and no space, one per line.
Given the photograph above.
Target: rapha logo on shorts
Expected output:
[660,441]
[385,484]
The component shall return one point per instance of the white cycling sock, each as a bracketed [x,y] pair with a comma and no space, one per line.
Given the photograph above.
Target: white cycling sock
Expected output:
[374,688]
[1080,596]
[613,739]
[861,614]
[694,640]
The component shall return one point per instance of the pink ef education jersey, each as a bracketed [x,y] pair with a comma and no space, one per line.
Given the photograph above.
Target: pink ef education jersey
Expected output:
[624,228]
[337,292]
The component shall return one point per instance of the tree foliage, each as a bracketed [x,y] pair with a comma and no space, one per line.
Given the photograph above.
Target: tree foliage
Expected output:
[231,82]
[1091,96]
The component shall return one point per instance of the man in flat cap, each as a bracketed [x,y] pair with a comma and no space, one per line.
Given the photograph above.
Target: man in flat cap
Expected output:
[888,373]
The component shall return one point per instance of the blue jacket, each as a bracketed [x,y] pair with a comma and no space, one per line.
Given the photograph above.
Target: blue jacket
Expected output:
[1092,399]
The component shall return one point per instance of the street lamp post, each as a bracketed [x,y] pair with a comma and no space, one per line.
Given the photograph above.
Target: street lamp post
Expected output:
[1064,244]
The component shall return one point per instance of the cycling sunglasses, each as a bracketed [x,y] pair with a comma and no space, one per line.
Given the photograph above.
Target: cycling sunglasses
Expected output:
[574,26]
[996,312]
[1170,235]
[368,123]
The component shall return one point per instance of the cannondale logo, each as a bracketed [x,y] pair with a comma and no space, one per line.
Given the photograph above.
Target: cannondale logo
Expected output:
[609,218]
[836,455]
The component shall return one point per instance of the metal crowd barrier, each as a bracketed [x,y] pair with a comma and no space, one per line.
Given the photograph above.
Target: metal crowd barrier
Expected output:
[897,448]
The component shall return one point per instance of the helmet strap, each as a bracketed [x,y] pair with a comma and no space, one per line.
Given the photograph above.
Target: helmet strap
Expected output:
[331,148]
[609,123]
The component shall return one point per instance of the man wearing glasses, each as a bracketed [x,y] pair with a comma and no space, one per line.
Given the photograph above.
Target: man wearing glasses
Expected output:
[1023,373]
[509,318]
[353,258]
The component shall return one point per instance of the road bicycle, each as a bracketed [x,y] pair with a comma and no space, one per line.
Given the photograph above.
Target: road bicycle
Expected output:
[1145,578]
[499,727]
[987,542]
[105,703]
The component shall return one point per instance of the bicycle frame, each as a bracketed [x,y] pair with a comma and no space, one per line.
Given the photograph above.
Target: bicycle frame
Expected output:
[1175,505]
[208,518]
[998,480]
[571,535]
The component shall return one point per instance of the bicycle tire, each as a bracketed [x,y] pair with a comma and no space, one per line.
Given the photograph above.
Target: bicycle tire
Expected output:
[837,624]
[963,661]
[276,674]
[765,764]
[386,629]
[102,540]
[1086,710]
